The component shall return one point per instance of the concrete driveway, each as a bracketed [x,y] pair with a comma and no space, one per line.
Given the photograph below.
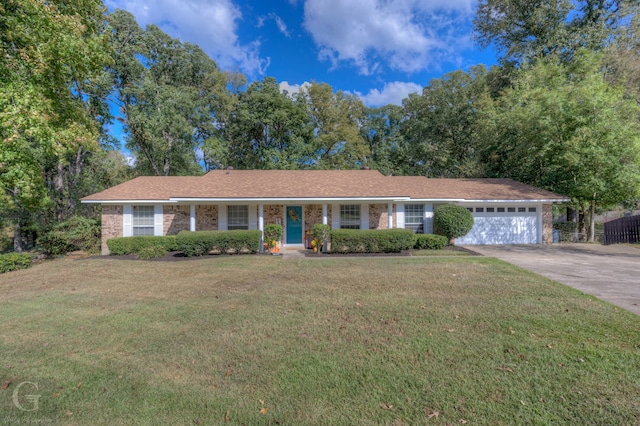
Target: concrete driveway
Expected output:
[610,273]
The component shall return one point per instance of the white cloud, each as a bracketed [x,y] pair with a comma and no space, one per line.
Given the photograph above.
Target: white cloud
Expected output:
[391,93]
[292,89]
[212,24]
[405,35]
[282,27]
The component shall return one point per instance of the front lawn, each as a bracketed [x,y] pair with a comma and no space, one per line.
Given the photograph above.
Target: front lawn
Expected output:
[264,340]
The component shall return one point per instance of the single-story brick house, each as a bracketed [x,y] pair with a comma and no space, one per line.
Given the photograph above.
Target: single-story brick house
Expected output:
[505,211]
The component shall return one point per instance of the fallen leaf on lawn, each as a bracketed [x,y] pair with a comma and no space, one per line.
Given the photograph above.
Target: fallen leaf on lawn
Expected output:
[226,417]
[511,331]
[549,346]
[434,414]
[463,421]
[451,330]
[386,406]
[522,402]
[505,369]
[79,385]
[57,395]
[562,397]
[261,402]
[6,385]
[264,410]
[69,413]
[457,316]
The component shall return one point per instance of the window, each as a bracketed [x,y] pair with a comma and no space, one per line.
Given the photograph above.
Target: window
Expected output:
[479,209]
[500,209]
[350,216]
[522,209]
[414,217]
[237,217]
[490,209]
[532,209]
[511,209]
[142,220]
[470,209]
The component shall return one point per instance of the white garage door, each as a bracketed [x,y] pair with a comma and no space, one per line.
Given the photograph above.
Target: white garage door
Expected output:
[503,225]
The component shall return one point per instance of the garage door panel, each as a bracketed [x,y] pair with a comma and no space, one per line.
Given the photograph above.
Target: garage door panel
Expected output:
[505,229]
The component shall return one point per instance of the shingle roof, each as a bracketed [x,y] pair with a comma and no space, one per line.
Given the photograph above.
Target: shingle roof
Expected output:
[314,184]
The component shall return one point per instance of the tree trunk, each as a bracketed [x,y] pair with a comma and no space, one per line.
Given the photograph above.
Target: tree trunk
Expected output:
[17,235]
[592,221]
[59,187]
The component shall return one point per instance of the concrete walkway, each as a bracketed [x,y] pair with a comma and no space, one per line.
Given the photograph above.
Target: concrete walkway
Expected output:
[611,273]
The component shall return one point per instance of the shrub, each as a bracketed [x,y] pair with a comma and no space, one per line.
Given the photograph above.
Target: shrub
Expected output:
[14,261]
[76,233]
[452,221]
[321,233]
[133,245]
[152,252]
[430,242]
[199,243]
[272,234]
[371,241]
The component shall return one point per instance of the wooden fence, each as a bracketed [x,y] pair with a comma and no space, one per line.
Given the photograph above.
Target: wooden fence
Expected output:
[623,230]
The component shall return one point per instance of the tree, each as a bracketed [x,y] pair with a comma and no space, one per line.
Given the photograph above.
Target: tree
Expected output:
[525,29]
[564,128]
[268,129]
[169,93]
[439,131]
[48,52]
[381,133]
[336,119]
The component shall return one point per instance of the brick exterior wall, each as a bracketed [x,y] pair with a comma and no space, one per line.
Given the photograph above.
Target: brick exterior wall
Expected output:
[378,216]
[547,224]
[206,218]
[312,215]
[111,224]
[272,213]
[175,219]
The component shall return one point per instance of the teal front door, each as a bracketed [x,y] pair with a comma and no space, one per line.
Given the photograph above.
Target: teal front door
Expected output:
[294,225]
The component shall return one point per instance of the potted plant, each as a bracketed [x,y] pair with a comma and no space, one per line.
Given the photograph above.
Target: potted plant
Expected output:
[272,236]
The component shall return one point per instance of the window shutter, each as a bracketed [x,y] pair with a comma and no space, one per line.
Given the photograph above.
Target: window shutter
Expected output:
[127,221]
[364,216]
[253,217]
[335,216]
[428,218]
[400,215]
[222,217]
[157,220]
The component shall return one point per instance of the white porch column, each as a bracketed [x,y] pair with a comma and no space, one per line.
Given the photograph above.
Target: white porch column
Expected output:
[325,215]
[390,214]
[192,218]
[261,224]
[400,215]
[428,218]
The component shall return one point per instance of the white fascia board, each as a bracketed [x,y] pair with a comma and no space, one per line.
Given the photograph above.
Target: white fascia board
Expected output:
[127,202]
[282,200]
[517,201]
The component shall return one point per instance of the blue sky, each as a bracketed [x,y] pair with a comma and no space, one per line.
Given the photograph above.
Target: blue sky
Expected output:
[380,50]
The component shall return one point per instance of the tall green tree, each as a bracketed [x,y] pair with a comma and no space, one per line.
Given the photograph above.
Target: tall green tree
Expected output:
[336,119]
[439,131]
[169,93]
[268,129]
[48,52]
[564,128]
[381,131]
[525,29]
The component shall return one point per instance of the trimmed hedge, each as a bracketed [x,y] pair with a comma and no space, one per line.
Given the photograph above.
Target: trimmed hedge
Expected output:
[430,242]
[152,252]
[14,261]
[452,221]
[371,241]
[200,243]
[134,245]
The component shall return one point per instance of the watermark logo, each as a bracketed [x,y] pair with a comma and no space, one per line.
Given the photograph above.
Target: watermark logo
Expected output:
[28,401]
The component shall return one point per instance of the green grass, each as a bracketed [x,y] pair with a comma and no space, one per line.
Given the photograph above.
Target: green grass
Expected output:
[444,252]
[332,341]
